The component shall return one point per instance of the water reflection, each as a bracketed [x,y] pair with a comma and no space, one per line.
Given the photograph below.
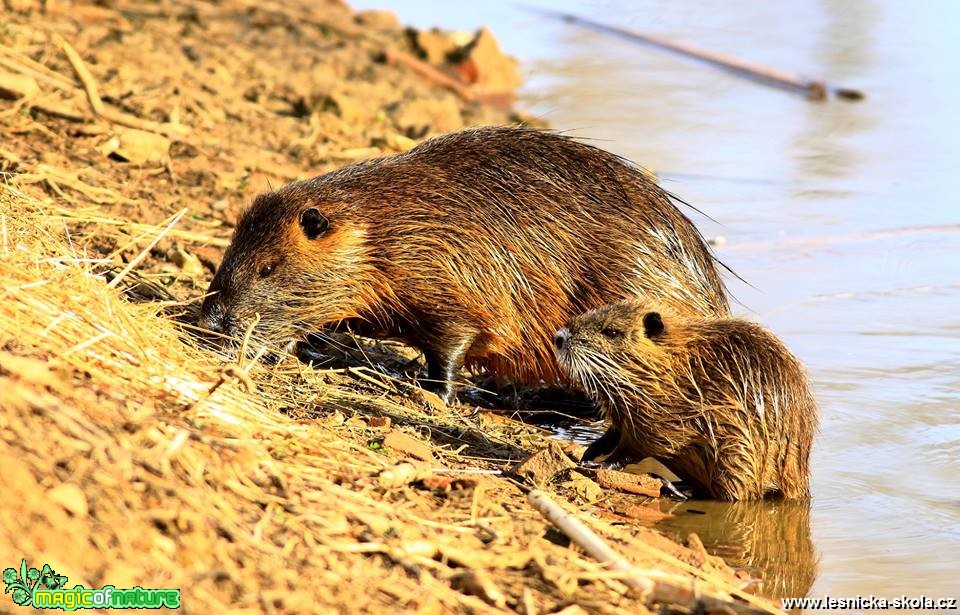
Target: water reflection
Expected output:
[769,539]
[822,144]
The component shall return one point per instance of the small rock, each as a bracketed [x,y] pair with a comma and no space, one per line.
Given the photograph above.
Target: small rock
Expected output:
[489,69]
[398,142]
[574,450]
[435,482]
[436,114]
[92,14]
[640,484]
[477,583]
[334,419]
[429,399]
[439,482]
[585,489]
[137,147]
[402,443]
[379,422]
[400,475]
[543,465]
[14,86]
[378,20]
[188,263]
[71,498]
[22,6]
[435,45]
[356,102]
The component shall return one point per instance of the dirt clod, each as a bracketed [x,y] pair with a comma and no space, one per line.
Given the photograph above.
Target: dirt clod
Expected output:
[540,467]
[640,484]
[477,583]
[487,67]
[14,86]
[429,400]
[137,147]
[71,498]
[408,445]
[379,422]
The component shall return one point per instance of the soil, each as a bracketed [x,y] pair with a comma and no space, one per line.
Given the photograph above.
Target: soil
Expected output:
[134,455]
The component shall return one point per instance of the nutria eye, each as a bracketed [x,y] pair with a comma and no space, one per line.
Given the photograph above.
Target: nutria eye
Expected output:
[267,270]
[611,332]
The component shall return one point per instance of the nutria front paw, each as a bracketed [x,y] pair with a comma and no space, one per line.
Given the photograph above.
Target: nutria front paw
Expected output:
[604,445]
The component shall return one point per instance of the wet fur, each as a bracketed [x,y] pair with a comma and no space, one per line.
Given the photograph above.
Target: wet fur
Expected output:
[474,247]
[721,401]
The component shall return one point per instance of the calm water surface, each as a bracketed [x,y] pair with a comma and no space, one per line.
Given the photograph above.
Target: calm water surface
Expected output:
[838,215]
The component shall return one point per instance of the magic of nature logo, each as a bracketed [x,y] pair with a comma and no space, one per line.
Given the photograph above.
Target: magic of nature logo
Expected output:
[45,589]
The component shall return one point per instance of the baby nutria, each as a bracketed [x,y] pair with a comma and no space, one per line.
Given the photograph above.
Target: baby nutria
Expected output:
[720,401]
[473,247]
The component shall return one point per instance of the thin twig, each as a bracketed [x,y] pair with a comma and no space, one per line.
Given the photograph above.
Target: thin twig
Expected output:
[245,343]
[143,254]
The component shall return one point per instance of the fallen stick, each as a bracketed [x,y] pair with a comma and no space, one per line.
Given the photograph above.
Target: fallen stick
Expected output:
[814,89]
[654,586]
[395,56]
[101,110]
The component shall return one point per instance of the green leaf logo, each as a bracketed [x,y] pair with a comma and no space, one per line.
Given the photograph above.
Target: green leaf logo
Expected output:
[9,576]
[23,584]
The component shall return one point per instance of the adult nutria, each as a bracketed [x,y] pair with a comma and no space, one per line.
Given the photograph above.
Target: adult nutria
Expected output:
[720,401]
[473,247]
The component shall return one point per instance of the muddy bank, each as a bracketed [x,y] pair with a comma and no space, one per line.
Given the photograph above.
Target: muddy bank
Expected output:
[134,133]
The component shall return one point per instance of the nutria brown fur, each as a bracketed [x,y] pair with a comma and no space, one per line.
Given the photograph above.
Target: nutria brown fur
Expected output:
[720,401]
[473,247]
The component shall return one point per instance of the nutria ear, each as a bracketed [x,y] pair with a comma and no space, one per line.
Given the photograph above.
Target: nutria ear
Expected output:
[652,324]
[313,222]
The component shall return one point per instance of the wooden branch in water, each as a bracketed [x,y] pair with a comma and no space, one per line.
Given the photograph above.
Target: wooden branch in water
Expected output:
[814,89]
[653,585]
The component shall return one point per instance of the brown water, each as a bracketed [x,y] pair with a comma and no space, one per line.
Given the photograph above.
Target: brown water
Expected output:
[800,192]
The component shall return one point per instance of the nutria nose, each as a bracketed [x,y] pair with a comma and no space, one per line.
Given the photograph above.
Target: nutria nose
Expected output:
[561,338]
[213,317]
